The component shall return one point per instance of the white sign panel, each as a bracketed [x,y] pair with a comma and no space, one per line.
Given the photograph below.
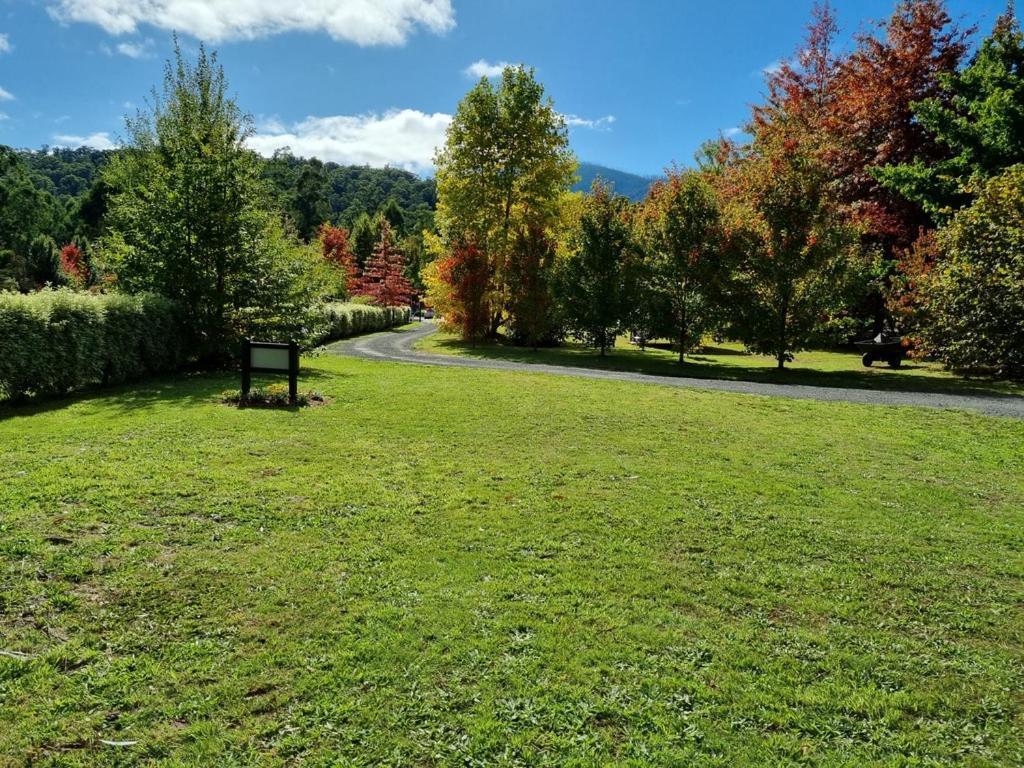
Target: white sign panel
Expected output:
[274,359]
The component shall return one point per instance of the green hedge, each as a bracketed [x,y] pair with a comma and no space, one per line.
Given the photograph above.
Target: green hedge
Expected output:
[344,320]
[56,341]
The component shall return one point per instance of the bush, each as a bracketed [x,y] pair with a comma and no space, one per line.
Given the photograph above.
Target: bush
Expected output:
[974,296]
[56,341]
[344,320]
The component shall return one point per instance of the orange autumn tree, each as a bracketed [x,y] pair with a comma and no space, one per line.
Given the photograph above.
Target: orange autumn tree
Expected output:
[336,250]
[384,278]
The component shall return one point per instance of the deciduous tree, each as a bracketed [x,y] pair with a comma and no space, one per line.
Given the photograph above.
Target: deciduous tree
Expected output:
[458,284]
[871,115]
[335,248]
[73,266]
[505,164]
[686,268]
[594,281]
[384,278]
[531,305]
[794,243]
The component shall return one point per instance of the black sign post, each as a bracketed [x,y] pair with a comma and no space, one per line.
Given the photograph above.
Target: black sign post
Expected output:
[270,357]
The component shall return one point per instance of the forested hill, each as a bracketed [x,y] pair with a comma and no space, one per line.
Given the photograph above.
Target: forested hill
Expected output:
[351,190]
[629,184]
[66,172]
[53,197]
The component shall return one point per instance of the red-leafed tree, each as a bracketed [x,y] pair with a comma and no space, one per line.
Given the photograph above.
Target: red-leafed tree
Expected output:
[337,251]
[855,114]
[459,284]
[384,277]
[73,266]
[871,122]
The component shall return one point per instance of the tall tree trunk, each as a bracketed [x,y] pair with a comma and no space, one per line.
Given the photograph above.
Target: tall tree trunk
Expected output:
[496,321]
[781,341]
[682,335]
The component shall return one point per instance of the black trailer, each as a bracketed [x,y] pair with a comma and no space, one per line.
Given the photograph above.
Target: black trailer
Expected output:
[885,346]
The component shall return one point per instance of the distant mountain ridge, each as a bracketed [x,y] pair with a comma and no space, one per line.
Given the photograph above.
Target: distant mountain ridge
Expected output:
[631,185]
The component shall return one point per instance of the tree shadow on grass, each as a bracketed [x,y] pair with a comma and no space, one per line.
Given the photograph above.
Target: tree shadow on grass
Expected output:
[704,366]
[185,389]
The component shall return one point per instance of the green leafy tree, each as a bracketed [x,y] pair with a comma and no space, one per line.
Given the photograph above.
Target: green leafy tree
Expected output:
[363,239]
[594,280]
[30,217]
[189,219]
[310,204]
[795,247]
[391,212]
[686,269]
[505,164]
[974,297]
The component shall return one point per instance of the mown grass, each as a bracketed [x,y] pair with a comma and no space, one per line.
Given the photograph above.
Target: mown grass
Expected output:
[469,567]
[825,368]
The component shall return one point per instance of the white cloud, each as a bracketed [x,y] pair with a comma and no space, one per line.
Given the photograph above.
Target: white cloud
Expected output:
[6,95]
[772,69]
[484,68]
[5,44]
[403,138]
[139,50]
[4,116]
[365,22]
[597,124]
[732,133]
[100,140]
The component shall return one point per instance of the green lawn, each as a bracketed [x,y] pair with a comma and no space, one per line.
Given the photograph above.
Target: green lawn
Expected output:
[730,361]
[472,567]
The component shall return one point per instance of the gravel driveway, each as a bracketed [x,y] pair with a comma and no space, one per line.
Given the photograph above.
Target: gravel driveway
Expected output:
[397,346]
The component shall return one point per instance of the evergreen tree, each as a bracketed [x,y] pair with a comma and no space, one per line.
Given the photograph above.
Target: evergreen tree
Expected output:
[363,238]
[29,219]
[189,216]
[392,214]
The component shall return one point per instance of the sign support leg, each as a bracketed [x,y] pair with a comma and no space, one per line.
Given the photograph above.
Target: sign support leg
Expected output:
[293,372]
[246,366]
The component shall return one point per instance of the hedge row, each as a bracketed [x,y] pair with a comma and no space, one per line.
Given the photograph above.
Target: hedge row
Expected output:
[55,341]
[344,320]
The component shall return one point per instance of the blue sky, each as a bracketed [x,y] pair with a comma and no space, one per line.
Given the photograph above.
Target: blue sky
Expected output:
[643,82]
